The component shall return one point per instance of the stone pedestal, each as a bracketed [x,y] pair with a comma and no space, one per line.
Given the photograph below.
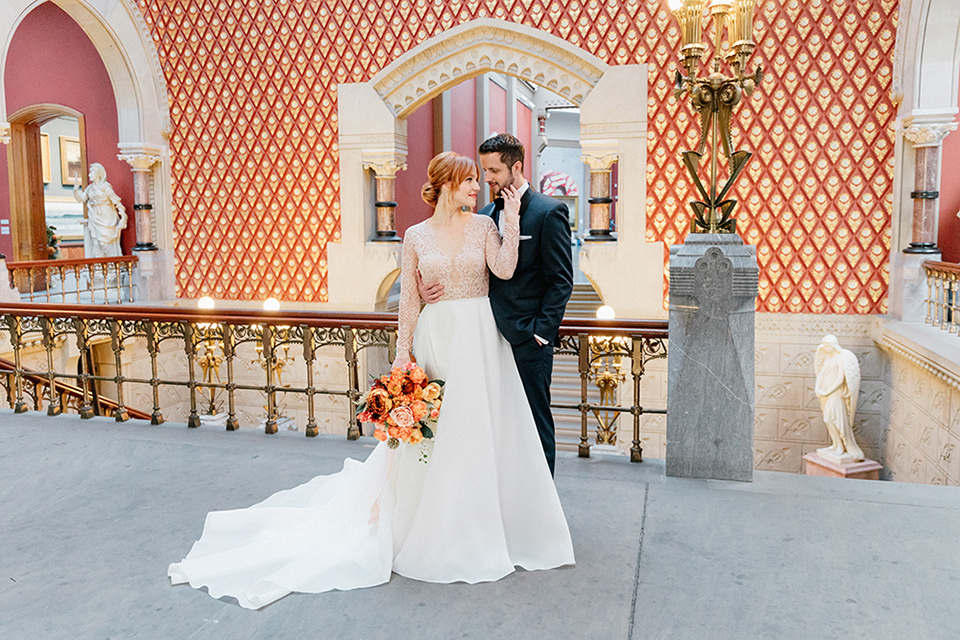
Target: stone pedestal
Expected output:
[154,278]
[710,370]
[816,465]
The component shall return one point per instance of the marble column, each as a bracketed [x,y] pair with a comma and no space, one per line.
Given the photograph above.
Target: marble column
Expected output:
[927,140]
[385,172]
[710,361]
[142,165]
[601,168]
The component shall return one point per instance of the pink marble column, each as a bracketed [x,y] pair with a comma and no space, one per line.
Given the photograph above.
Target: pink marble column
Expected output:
[142,165]
[926,140]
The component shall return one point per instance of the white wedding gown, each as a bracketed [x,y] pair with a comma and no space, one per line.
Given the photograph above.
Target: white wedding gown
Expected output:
[485,502]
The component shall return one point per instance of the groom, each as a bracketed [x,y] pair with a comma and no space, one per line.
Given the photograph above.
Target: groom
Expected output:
[528,307]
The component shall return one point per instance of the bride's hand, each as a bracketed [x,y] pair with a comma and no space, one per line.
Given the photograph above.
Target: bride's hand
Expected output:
[511,205]
[402,359]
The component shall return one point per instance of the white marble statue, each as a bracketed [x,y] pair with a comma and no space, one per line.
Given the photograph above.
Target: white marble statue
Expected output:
[106,217]
[837,387]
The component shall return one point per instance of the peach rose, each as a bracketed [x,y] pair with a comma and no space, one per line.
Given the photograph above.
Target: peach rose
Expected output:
[416,436]
[419,410]
[380,435]
[404,432]
[392,431]
[417,375]
[403,416]
[434,414]
[431,391]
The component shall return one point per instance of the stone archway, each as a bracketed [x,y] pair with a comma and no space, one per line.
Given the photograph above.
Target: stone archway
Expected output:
[613,105]
[927,51]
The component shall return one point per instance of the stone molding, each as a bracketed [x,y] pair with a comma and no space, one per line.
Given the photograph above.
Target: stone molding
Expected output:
[486,45]
[813,327]
[151,51]
[892,341]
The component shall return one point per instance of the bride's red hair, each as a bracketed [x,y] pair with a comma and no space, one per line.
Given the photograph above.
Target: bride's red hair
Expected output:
[446,168]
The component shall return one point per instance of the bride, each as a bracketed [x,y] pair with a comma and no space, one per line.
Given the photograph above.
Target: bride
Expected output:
[482,505]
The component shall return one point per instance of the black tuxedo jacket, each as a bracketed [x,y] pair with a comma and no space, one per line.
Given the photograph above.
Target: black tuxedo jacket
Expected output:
[533,300]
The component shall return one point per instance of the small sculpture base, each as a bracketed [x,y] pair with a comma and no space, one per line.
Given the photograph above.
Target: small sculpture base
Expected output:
[815,465]
[214,420]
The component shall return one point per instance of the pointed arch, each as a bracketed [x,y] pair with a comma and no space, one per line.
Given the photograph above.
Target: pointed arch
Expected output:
[484,45]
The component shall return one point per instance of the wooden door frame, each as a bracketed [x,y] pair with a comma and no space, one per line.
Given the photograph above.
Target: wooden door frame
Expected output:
[28,224]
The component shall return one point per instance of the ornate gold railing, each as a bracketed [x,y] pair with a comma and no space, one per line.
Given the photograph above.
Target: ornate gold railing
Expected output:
[36,389]
[943,289]
[98,281]
[283,344]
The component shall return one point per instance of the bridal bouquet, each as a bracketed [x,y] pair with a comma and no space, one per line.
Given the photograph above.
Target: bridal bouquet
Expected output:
[404,405]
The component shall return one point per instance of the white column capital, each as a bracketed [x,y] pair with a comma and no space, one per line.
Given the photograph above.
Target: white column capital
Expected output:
[600,161]
[384,167]
[4,133]
[927,134]
[139,161]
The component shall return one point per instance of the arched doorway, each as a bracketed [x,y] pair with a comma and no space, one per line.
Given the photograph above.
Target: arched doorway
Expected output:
[612,102]
[90,58]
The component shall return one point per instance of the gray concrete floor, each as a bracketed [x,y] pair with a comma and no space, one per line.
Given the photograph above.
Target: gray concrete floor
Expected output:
[94,511]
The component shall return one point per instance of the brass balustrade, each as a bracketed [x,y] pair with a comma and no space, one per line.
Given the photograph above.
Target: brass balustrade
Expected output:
[210,340]
[96,280]
[943,289]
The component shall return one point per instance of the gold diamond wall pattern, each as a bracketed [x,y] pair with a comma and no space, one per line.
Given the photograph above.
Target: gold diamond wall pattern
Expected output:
[253,95]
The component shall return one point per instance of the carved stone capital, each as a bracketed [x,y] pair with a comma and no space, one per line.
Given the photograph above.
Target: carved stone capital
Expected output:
[385,168]
[5,132]
[927,135]
[139,161]
[600,162]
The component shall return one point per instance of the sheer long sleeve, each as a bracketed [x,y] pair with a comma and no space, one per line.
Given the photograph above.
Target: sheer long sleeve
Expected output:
[409,297]
[502,253]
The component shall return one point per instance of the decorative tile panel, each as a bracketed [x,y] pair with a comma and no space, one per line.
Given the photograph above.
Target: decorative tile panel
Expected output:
[253,92]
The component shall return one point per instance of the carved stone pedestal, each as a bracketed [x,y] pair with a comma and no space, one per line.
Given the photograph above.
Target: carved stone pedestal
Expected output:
[816,465]
[710,370]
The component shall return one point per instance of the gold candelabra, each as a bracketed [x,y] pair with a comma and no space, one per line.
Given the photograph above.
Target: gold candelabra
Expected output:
[715,97]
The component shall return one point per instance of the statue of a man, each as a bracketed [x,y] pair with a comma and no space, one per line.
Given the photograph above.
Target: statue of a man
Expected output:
[837,387]
[106,217]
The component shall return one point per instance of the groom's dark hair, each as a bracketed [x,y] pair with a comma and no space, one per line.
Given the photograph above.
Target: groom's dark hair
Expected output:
[507,145]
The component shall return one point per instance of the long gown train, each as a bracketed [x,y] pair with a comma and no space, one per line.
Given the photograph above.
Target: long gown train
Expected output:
[484,504]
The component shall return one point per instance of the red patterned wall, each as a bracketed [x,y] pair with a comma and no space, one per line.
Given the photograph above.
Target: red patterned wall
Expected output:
[253,94]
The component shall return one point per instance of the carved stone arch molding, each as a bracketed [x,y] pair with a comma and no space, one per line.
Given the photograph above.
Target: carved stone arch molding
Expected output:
[119,33]
[613,124]
[484,45]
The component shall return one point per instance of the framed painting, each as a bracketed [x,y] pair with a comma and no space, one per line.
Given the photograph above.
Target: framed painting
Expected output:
[70,166]
[45,156]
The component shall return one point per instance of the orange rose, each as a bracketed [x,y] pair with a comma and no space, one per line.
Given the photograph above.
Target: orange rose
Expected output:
[404,432]
[394,388]
[392,431]
[419,410]
[380,435]
[431,391]
[416,436]
[396,375]
[403,416]
[417,375]
[378,404]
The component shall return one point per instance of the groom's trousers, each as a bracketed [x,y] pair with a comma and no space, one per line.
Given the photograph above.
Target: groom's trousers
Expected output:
[535,365]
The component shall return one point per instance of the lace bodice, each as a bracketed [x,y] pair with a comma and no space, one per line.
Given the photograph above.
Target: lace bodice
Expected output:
[466,275]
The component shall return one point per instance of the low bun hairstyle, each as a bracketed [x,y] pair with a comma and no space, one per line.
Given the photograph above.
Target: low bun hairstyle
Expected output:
[448,168]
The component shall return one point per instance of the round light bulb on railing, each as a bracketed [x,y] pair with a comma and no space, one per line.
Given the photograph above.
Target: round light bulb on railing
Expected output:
[606,313]
[206,302]
[271,304]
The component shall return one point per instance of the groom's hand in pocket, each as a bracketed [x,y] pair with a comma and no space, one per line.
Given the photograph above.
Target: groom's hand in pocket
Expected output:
[430,293]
